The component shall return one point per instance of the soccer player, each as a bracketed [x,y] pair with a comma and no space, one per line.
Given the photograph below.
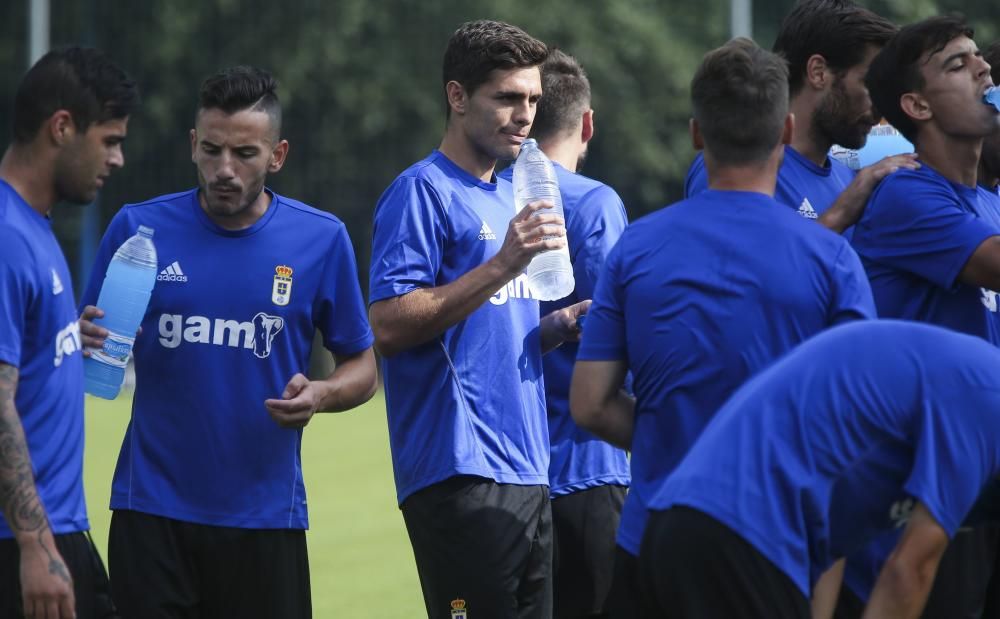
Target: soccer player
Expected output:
[209,503]
[828,45]
[462,341]
[757,511]
[71,115]
[698,297]
[930,238]
[587,476]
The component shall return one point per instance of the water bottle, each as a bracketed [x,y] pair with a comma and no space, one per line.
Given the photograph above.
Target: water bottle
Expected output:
[124,296]
[550,274]
[992,97]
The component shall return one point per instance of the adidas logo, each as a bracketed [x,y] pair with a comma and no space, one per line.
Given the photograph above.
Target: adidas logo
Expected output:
[485,234]
[807,210]
[57,285]
[172,273]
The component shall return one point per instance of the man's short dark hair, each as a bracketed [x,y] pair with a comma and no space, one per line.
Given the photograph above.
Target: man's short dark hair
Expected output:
[242,88]
[837,30]
[83,81]
[565,96]
[992,56]
[477,48]
[739,95]
[896,69]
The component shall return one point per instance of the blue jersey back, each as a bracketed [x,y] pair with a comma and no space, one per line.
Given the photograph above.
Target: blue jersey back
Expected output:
[595,218]
[700,296]
[917,234]
[40,336]
[866,405]
[808,188]
[470,401]
[231,320]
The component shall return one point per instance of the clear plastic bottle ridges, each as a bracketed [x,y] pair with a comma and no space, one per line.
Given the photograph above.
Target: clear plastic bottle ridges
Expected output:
[550,274]
[124,296]
[992,97]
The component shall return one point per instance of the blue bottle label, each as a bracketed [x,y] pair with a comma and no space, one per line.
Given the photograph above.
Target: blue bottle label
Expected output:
[116,350]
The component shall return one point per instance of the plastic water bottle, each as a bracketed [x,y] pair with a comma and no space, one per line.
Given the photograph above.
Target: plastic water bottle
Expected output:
[992,97]
[550,274]
[124,296]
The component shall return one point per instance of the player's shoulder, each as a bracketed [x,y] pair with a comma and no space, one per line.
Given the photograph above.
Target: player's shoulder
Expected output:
[905,186]
[312,215]
[166,201]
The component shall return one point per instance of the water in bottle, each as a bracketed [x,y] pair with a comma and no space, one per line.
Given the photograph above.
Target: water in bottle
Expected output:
[992,97]
[550,274]
[124,296]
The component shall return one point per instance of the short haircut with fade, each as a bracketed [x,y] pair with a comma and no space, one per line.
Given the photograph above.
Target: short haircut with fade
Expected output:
[565,96]
[896,69]
[478,48]
[83,81]
[739,97]
[837,30]
[241,88]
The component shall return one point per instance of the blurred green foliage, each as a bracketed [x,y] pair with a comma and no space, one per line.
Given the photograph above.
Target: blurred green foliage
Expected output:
[361,83]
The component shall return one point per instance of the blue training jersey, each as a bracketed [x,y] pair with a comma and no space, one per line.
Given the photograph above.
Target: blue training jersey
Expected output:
[231,320]
[40,336]
[697,298]
[918,232]
[869,405]
[808,188]
[595,218]
[470,401]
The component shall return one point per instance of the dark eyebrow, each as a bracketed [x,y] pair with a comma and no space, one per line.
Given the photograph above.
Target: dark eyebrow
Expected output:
[947,61]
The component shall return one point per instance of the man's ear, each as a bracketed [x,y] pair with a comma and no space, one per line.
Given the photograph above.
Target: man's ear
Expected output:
[278,156]
[696,140]
[457,97]
[60,127]
[915,106]
[818,73]
[587,130]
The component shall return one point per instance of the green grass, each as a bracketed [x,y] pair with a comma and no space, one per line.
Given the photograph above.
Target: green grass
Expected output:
[359,555]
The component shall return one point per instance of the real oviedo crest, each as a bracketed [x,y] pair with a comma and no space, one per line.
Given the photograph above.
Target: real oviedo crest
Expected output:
[281,292]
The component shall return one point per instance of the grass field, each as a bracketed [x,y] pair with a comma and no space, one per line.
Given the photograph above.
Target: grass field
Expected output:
[360,558]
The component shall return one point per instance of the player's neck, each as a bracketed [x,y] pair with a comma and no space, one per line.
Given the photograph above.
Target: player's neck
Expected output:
[563,152]
[30,176]
[462,152]
[954,158]
[759,177]
[805,140]
[985,177]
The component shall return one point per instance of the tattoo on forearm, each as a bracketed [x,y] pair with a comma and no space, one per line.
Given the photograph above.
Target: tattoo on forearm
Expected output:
[18,496]
[56,565]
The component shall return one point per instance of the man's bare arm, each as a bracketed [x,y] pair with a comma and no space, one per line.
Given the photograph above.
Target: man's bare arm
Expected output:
[45,581]
[406,321]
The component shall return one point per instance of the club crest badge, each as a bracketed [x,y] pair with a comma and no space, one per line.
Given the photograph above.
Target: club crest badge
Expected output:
[281,293]
[458,609]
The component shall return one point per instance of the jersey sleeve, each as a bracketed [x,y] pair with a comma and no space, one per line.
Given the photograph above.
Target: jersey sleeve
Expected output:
[17,294]
[919,226]
[119,230]
[408,240]
[697,177]
[852,294]
[957,453]
[340,308]
[604,337]
[598,222]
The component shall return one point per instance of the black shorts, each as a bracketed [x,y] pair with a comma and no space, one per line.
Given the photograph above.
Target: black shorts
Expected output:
[585,523]
[965,583]
[168,569]
[482,547]
[691,566]
[90,580]
[623,599]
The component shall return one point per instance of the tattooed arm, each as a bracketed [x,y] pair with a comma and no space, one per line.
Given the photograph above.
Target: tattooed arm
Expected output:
[46,586]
